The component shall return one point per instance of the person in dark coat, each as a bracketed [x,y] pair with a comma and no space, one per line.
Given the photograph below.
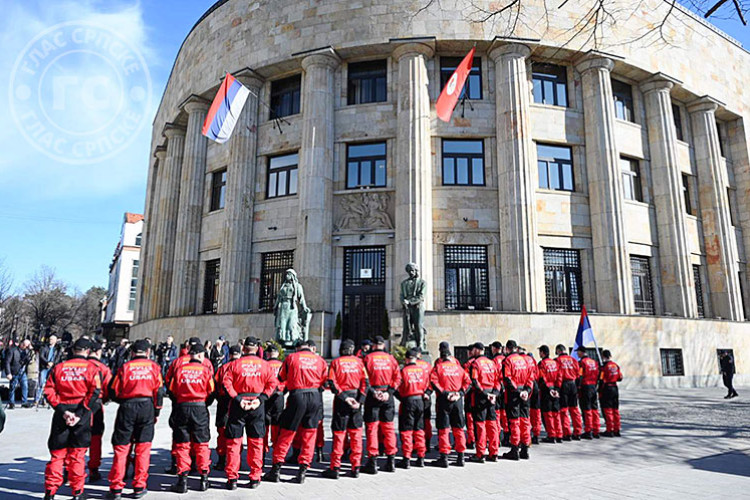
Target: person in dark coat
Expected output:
[17,364]
[49,355]
[727,373]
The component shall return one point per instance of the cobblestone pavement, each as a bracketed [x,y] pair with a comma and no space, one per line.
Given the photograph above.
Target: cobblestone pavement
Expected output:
[682,444]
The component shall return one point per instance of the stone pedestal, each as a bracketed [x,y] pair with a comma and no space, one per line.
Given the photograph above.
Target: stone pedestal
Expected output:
[611,261]
[521,263]
[674,251]
[145,296]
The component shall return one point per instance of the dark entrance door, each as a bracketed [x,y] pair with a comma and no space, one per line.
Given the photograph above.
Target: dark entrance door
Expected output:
[364,293]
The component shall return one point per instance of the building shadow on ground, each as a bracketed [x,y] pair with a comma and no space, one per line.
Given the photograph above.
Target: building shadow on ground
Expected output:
[736,463]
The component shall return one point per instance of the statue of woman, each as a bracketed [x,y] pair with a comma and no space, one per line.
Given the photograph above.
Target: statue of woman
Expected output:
[290,311]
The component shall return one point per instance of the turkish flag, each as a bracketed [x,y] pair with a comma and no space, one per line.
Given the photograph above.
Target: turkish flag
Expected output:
[449,96]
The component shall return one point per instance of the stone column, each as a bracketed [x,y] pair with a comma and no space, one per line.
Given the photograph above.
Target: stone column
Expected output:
[718,233]
[674,251]
[314,253]
[611,260]
[239,206]
[166,217]
[146,275]
[413,168]
[521,264]
[190,212]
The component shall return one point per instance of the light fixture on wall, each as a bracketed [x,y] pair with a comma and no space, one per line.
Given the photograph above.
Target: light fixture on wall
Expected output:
[337,238]
[361,237]
[272,228]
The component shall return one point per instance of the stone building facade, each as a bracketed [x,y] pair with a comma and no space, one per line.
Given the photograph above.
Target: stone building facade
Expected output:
[618,178]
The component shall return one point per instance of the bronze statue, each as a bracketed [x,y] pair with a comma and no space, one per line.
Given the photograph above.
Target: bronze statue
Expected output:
[413,290]
[291,314]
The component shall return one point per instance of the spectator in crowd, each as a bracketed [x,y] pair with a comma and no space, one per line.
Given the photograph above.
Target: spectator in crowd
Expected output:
[121,355]
[17,363]
[2,357]
[49,355]
[167,354]
[219,354]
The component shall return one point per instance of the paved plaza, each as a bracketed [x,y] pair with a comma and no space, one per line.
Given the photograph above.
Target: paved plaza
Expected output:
[682,444]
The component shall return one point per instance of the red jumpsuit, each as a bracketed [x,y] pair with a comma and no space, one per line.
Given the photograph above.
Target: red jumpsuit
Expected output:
[590,373]
[502,418]
[73,385]
[305,374]
[347,378]
[222,409]
[447,377]
[550,378]
[485,380]
[427,368]
[610,397]
[535,412]
[138,388]
[384,374]
[517,374]
[468,410]
[415,382]
[97,425]
[274,407]
[569,396]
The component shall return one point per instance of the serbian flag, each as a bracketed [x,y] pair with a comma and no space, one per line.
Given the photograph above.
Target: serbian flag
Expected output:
[585,335]
[226,108]
[449,96]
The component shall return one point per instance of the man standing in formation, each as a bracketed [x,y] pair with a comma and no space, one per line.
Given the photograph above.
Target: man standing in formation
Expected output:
[569,411]
[414,394]
[485,388]
[550,379]
[97,426]
[450,382]
[589,378]
[518,377]
[222,408]
[275,404]
[610,396]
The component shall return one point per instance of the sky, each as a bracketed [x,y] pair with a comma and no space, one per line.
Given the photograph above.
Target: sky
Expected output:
[80,82]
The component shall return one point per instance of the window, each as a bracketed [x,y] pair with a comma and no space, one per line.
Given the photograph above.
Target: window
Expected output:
[272,270]
[562,280]
[466,277]
[218,189]
[720,133]
[285,96]
[282,175]
[740,277]
[555,167]
[631,179]
[367,82]
[550,84]
[671,363]
[473,87]
[133,285]
[365,165]
[677,122]
[698,290]
[463,162]
[731,205]
[138,239]
[623,95]
[642,290]
[211,287]
[686,195]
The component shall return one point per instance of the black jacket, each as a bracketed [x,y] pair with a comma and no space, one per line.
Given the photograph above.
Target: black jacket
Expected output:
[45,361]
[727,365]
[17,360]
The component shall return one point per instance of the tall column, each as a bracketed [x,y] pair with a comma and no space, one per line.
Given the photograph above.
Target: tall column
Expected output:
[314,254]
[611,260]
[718,233]
[147,277]
[674,252]
[239,206]
[413,165]
[166,217]
[190,213]
[521,264]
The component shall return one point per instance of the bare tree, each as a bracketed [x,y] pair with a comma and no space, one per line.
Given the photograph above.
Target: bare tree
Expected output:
[6,283]
[88,309]
[49,306]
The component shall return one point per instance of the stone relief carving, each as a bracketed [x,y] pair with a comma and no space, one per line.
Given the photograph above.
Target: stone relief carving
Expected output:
[469,238]
[364,211]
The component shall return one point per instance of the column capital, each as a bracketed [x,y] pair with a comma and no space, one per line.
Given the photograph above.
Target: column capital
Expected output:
[160,152]
[658,82]
[319,57]
[706,104]
[195,104]
[405,47]
[515,50]
[249,78]
[594,60]
[172,130]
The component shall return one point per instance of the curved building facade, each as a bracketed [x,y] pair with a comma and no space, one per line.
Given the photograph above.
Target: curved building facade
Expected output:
[618,178]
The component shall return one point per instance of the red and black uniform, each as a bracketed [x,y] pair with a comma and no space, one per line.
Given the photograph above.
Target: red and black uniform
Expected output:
[427,368]
[138,388]
[247,379]
[97,423]
[274,407]
[448,377]
[191,390]
[610,395]
[590,373]
[347,378]
[550,378]
[485,381]
[471,438]
[502,418]
[569,396]
[517,375]
[73,385]
[305,374]
[222,410]
[384,374]
[415,385]
[535,412]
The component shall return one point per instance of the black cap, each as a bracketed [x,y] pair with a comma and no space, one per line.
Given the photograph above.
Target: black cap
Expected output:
[580,348]
[310,343]
[478,345]
[95,345]
[194,340]
[607,354]
[497,344]
[347,344]
[511,344]
[251,342]
[560,347]
[141,346]
[235,349]
[366,342]
[379,339]
[271,347]
[82,344]
[444,346]
[197,349]
[544,349]
[411,353]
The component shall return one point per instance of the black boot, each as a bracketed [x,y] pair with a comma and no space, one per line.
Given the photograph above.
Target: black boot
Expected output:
[371,467]
[567,438]
[617,434]
[608,434]
[172,469]
[331,473]
[294,459]
[460,460]
[94,475]
[78,495]
[254,483]
[535,440]
[576,437]
[548,440]
[272,476]
[301,473]
[204,483]
[231,484]
[48,495]
[354,472]
[512,454]
[390,464]
[181,485]
[404,463]
[524,454]
[476,459]
[596,436]
[221,463]
[586,435]
[420,462]
[139,492]
[559,440]
[112,495]
[470,446]
[441,462]
[492,458]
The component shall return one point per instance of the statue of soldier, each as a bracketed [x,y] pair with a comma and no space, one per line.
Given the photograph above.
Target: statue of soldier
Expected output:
[413,290]
[291,314]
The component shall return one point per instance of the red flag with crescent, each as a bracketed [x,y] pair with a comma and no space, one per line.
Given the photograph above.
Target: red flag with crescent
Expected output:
[449,96]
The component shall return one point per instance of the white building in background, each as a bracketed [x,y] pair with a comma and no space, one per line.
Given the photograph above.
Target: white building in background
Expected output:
[119,305]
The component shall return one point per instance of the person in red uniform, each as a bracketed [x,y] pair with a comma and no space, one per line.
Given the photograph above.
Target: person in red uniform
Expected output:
[610,396]
[222,408]
[305,374]
[137,387]
[535,412]
[380,409]
[413,392]
[450,382]
[550,379]
[97,425]
[485,389]
[248,382]
[347,380]
[72,390]
[569,411]
[468,403]
[427,368]
[498,356]
[517,375]
[590,373]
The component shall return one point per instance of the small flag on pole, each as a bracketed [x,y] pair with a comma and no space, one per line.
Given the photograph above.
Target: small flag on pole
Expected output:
[446,103]
[585,334]
[225,110]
